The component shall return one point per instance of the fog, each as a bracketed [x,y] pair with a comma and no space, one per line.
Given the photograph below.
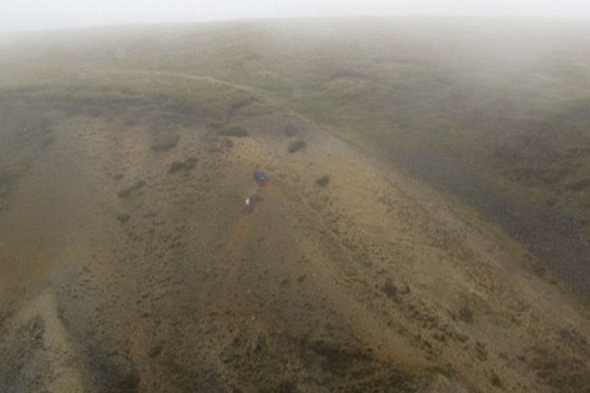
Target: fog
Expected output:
[22,15]
[288,202]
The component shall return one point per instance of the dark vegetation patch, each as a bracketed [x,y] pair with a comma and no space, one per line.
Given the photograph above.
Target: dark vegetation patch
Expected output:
[47,141]
[186,165]
[165,142]
[26,127]
[233,131]
[566,375]
[190,376]
[351,369]
[155,351]
[322,181]
[466,315]
[23,364]
[135,106]
[240,104]
[204,381]
[26,131]
[290,130]
[135,187]
[285,387]
[8,180]
[578,186]
[328,365]
[481,351]
[123,217]
[3,318]
[538,268]
[296,145]
[36,330]
[390,290]
[130,103]
[337,359]
[97,102]
[112,372]
[216,124]
[575,341]
[496,381]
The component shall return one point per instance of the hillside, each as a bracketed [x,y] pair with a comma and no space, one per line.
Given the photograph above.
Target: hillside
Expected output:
[491,111]
[129,263]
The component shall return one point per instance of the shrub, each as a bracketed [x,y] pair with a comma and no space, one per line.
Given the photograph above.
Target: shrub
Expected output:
[322,181]
[233,130]
[296,145]
[290,130]
[165,143]
[126,192]
[186,165]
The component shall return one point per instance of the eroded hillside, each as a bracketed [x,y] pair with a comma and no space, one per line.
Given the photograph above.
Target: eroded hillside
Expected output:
[491,111]
[129,263]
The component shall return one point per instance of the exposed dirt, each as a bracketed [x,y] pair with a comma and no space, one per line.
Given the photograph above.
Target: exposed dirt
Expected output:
[135,269]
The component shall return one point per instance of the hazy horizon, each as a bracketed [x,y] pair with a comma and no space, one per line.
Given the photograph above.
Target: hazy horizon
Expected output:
[294,197]
[31,15]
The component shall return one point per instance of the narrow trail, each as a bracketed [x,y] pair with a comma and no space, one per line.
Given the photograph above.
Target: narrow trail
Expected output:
[242,229]
[235,247]
[199,78]
[181,75]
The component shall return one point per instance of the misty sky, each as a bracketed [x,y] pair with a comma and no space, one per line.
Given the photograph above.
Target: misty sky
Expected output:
[17,15]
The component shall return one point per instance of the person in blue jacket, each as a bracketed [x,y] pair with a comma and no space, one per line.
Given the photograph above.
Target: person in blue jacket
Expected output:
[260,177]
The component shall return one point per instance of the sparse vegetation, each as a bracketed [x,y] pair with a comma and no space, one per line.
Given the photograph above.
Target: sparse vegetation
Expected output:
[465,314]
[323,181]
[186,165]
[290,130]
[390,290]
[240,104]
[215,124]
[9,178]
[165,142]
[336,359]
[296,145]
[496,381]
[233,131]
[203,295]
[134,188]
[568,375]
[123,217]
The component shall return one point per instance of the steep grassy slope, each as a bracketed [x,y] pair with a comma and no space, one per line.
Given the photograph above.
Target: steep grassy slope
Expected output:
[130,265]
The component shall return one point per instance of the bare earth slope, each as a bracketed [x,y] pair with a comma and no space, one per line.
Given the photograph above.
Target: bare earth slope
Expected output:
[492,111]
[128,262]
